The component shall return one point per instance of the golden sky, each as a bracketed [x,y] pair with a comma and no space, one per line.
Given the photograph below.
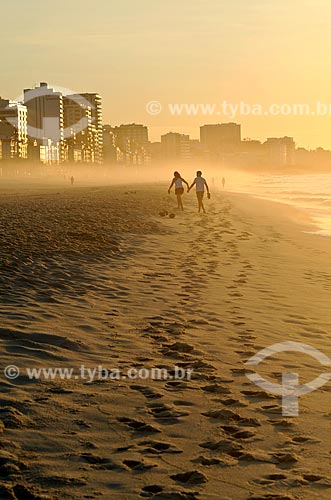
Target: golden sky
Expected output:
[177,51]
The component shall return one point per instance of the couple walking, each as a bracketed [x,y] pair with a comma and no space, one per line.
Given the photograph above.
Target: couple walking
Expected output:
[200,184]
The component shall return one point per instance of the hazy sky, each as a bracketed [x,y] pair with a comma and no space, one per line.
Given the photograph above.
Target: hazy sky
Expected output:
[177,51]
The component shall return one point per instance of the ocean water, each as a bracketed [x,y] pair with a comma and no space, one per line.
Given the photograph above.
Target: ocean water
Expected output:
[310,194]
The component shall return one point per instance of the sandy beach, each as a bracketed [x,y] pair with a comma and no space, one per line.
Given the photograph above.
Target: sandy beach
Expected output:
[95,278]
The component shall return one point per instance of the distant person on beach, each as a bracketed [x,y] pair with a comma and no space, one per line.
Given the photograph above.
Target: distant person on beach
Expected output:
[179,190]
[200,184]
[72,180]
[223,182]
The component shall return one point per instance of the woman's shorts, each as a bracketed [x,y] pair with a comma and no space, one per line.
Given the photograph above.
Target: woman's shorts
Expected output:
[200,195]
[179,190]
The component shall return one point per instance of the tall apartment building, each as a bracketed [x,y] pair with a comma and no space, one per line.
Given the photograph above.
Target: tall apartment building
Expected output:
[175,146]
[111,152]
[132,140]
[45,122]
[281,150]
[133,132]
[13,130]
[81,138]
[221,137]
[96,112]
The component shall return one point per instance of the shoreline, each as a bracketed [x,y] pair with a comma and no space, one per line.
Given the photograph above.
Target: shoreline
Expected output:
[320,222]
[302,215]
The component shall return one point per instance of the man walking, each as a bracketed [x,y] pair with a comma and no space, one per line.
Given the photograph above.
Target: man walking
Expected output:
[200,184]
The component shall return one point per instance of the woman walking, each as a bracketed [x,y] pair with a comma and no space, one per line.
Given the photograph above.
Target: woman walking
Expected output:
[179,190]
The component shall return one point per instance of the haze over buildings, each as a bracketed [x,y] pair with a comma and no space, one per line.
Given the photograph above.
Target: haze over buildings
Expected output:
[53,128]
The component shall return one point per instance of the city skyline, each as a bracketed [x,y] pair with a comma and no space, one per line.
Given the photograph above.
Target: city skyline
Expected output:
[192,52]
[52,125]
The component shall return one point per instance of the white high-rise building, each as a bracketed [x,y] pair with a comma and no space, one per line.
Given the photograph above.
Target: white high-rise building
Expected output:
[45,122]
[96,112]
[13,130]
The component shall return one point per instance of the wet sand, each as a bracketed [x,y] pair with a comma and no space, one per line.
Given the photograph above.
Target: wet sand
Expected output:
[95,277]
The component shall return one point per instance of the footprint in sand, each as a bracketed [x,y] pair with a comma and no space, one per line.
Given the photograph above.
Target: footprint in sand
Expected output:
[314,478]
[216,389]
[246,354]
[238,323]
[19,492]
[146,391]
[151,490]
[231,416]
[191,477]
[276,477]
[283,424]
[182,402]
[239,371]
[238,432]
[178,348]
[258,394]
[158,447]
[285,458]
[100,462]
[236,294]
[227,446]
[197,366]
[138,426]
[176,385]
[271,409]
[170,494]
[138,465]
[231,402]
[206,461]
[165,414]
[301,439]
[82,424]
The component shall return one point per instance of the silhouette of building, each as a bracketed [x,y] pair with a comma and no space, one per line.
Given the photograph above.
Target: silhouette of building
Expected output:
[221,138]
[45,123]
[13,130]
[8,141]
[252,154]
[81,135]
[96,112]
[155,151]
[198,152]
[175,146]
[281,150]
[318,158]
[132,140]
[132,132]
[111,152]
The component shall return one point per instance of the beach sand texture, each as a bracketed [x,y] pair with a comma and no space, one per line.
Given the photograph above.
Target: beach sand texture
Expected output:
[94,276]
